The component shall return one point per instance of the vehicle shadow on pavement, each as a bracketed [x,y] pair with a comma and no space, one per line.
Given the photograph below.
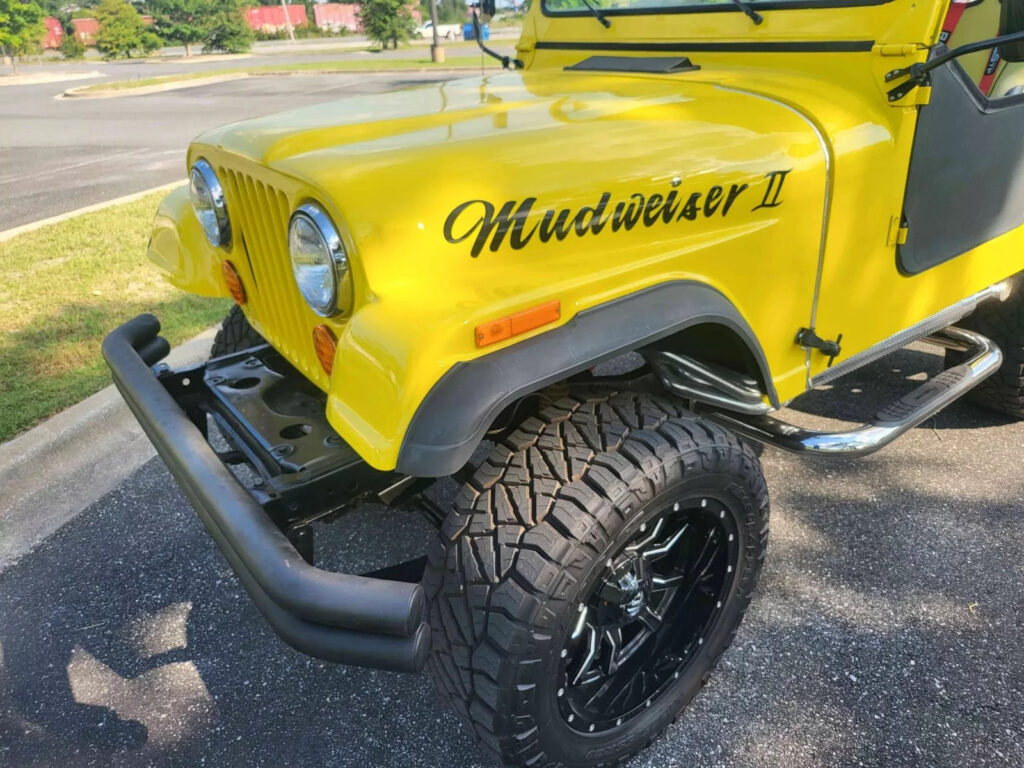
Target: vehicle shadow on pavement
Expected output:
[126,640]
[867,390]
[886,632]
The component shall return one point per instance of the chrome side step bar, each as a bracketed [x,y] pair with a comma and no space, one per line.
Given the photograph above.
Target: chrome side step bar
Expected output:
[893,420]
[707,383]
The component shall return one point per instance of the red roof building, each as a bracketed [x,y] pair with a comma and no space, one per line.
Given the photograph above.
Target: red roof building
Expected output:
[85,30]
[54,33]
[337,16]
[270,18]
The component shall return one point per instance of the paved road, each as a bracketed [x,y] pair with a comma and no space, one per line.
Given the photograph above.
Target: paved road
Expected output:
[887,631]
[57,155]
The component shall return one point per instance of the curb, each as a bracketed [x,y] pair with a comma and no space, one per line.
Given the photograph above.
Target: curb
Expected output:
[14,81]
[8,234]
[53,472]
[81,93]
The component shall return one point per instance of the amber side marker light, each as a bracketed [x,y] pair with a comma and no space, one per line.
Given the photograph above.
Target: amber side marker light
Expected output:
[234,281]
[521,322]
[325,346]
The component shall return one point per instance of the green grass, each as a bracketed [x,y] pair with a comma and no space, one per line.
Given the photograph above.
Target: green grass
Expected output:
[62,288]
[342,65]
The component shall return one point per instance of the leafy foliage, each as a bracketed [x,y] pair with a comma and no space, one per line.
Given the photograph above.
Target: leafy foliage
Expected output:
[227,29]
[448,11]
[122,32]
[184,22]
[387,21]
[21,27]
[71,47]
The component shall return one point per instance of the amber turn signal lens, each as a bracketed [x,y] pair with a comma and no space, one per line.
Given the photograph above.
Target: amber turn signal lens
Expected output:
[234,281]
[325,346]
[521,322]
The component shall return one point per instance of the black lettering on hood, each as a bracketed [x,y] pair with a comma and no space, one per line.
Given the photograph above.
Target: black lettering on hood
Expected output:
[486,225]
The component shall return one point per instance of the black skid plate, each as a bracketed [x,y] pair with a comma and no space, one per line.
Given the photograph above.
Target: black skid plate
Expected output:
[274,419]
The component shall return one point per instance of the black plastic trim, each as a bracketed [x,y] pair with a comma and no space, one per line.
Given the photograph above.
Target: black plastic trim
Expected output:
[795,46]
[655,65]
[770,5]
[334,616]
[964,182]
[456,413]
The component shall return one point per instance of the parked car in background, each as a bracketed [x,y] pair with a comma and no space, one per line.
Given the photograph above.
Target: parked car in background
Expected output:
[447,31]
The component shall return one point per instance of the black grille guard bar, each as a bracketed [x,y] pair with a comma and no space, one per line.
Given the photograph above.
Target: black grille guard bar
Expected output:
[333,616]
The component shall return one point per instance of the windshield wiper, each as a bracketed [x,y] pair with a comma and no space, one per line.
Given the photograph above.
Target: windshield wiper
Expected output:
[756,17]
[600,16]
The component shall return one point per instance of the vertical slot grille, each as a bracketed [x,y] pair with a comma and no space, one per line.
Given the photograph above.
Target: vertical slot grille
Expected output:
[262,213]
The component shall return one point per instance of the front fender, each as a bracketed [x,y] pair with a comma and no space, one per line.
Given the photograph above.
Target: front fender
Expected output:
[458,410]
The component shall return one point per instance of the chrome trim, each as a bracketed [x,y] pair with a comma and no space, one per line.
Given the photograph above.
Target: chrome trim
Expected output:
[929,325]
[826,214]
[708,384]
[335,248]
[912,409]
[220,206]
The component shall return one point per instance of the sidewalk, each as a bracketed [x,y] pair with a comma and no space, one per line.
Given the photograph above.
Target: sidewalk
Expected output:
[57,469]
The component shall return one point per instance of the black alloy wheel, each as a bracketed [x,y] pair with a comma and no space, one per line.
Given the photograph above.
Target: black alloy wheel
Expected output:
[648,614]
[591,574]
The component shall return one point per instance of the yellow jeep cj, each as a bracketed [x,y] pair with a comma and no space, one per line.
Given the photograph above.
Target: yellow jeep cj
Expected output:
[666,220]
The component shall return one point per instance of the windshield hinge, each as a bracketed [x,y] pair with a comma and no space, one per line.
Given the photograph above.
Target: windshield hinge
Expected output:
[895,49]
[898,231]
[808,339]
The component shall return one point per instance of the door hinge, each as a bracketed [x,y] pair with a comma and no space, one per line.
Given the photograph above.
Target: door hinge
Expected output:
[808,339]
[898,231]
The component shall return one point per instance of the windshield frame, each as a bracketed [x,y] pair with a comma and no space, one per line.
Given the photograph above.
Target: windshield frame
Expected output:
[719,7]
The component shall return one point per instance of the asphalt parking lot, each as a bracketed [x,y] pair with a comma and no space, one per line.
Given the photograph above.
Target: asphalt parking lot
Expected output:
[58,155]
[887,630]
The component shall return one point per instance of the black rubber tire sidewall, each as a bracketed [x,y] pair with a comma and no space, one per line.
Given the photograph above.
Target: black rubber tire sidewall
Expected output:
[499,671]
[235,334]
[1003,323]
[558,736]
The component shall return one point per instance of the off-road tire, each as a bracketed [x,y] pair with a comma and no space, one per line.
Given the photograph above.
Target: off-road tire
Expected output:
[235,334]
[526,532]
[1003,323]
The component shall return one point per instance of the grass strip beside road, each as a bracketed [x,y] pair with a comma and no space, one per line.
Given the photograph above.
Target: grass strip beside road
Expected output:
[62,288]
[312,67]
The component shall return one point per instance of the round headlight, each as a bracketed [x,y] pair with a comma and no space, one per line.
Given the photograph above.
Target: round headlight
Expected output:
[319,261]
[208,203]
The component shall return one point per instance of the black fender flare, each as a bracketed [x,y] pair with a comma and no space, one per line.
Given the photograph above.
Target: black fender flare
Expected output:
[456,413]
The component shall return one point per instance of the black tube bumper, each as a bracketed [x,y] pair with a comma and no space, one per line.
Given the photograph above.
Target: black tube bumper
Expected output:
[337,617]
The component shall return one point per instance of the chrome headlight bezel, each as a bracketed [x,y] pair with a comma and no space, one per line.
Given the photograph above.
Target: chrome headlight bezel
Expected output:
[334,256]
[206,192]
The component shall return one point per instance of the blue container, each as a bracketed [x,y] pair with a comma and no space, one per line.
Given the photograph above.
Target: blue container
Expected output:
[468,34]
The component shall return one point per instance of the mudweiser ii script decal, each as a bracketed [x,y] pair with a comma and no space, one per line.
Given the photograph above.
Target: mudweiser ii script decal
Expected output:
[489,226]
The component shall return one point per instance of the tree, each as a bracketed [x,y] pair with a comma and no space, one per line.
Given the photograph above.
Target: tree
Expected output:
[71,47]
[122,32]
[185,22]
[448,11]
[226,29]
[21,28]
[386,21]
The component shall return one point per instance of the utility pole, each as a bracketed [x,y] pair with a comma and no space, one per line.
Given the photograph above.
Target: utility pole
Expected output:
[436,51]
[288,21]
